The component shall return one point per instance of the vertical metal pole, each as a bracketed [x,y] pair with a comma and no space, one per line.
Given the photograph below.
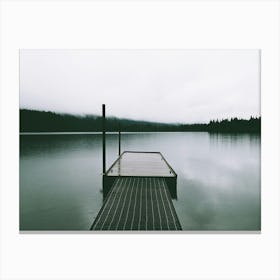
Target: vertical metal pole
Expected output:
[119,140]
[104,138]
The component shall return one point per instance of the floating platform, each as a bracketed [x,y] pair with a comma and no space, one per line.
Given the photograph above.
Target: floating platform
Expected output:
[141,164]
[138,190]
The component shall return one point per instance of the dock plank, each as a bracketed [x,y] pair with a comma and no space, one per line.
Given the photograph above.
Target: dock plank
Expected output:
[137,203]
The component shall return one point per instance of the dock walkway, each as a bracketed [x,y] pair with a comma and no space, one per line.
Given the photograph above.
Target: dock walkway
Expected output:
[139,196]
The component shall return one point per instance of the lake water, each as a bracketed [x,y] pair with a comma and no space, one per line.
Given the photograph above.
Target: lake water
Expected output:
[218,181]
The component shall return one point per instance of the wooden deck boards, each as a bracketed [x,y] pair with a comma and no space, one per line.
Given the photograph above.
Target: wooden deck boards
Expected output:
[147,164]
[137,203]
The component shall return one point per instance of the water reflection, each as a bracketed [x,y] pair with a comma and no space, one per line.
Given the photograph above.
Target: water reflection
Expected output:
[218,181]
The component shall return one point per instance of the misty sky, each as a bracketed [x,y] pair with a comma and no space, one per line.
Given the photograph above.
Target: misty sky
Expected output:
[170,86]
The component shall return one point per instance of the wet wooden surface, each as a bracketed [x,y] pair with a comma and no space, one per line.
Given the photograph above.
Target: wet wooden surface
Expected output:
[138,203]
[147,164]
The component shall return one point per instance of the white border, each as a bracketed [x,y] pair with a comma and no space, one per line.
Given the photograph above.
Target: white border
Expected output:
[156,24]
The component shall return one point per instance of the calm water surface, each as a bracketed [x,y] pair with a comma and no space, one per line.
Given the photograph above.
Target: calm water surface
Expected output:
[218,178]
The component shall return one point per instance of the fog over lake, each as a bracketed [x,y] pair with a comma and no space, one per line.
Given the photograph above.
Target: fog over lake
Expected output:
[187,86]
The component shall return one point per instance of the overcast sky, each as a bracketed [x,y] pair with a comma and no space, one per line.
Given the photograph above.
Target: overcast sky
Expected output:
[171,86]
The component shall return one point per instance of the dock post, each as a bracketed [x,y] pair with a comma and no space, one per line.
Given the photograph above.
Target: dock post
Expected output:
[104,138]
[119,140]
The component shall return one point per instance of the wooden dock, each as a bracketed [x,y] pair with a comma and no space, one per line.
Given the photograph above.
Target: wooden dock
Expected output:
[147,164]
[141,164]
[138,190]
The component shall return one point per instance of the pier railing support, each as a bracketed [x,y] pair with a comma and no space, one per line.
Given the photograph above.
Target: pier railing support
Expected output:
[119,140]
[104,139]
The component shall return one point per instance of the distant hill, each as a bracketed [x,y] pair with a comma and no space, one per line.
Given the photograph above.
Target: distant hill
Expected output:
[42,121]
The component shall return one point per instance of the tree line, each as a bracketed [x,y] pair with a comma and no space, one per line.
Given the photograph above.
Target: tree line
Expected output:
[45,121]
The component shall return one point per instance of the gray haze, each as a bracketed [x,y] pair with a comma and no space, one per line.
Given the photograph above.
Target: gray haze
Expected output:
[171,86]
